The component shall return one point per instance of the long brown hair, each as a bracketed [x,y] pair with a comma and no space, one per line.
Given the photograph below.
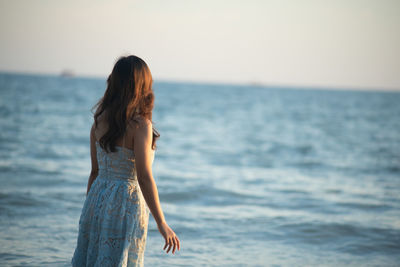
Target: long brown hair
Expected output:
[129,93]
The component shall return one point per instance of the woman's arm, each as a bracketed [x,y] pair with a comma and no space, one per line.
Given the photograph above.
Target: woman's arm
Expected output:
[143,135]
[93,157]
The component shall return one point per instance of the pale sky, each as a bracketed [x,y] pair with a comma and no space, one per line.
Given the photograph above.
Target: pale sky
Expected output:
[329,43]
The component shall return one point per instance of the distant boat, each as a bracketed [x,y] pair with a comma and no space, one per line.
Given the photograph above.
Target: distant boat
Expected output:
[67,73]
[256,84]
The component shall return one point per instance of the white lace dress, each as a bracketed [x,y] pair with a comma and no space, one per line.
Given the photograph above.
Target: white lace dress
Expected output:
[114,218]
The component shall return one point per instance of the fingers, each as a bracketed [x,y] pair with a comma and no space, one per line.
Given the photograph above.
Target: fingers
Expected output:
[166,244]
[178,242]
[175,244]
[172,243]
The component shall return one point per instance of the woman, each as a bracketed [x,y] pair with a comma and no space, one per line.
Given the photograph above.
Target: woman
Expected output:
[114,219]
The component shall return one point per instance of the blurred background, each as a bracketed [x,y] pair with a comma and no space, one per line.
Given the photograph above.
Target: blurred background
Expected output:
[279,125]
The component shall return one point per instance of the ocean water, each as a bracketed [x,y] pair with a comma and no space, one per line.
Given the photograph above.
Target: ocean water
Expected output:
[247,176]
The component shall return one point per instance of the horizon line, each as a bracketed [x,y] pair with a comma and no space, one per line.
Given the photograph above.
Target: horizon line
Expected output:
[218,83]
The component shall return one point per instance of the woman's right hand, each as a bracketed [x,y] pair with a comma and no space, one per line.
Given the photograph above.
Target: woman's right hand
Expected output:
[171,239]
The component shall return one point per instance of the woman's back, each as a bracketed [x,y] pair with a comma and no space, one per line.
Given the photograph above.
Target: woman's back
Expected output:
[119,164]
[125,141]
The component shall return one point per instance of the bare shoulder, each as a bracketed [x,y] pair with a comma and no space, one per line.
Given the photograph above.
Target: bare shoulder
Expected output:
[144,122]
[140,124]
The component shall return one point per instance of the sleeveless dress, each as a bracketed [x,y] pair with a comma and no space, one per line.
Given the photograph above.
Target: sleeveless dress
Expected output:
[114,218]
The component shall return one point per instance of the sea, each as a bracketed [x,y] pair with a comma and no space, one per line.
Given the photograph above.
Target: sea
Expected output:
[247,175]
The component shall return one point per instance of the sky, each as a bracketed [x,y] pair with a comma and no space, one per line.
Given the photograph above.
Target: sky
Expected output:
[330,43]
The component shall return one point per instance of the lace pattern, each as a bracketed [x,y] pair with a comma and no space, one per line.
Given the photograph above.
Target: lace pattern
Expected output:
[114,219]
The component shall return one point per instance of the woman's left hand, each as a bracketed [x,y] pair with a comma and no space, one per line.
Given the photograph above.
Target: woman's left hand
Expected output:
[171,239]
